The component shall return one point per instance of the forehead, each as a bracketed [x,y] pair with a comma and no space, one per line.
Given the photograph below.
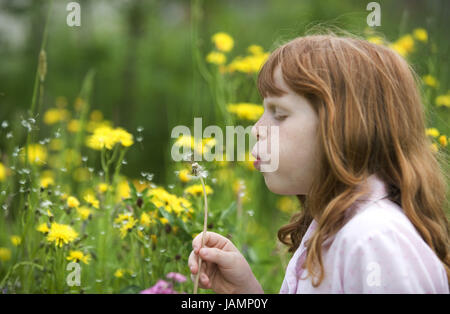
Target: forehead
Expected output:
[279,83]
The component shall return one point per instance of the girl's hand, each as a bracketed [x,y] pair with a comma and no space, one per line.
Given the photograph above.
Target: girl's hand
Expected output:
[224,268]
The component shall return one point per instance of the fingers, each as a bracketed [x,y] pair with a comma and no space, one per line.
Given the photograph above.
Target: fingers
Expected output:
[212,239]
[203,281]
[220,257]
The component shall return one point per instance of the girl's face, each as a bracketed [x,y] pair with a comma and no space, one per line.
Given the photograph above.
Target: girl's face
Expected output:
[297,123]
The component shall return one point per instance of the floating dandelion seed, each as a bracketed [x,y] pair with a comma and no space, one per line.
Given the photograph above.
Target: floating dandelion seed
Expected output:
[26,125]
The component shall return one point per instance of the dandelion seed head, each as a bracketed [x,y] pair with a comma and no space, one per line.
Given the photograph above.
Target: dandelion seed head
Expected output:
[5,124]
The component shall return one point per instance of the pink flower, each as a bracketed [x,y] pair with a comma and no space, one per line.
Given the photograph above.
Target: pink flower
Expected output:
[161,287]
[176,276]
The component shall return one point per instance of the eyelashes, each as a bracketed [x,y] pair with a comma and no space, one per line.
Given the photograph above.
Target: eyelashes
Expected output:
[276,113]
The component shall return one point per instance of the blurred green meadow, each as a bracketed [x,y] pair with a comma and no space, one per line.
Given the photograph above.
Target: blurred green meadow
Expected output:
[86,115]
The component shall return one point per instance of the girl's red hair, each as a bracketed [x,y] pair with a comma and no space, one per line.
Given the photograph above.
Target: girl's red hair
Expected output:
[371,121]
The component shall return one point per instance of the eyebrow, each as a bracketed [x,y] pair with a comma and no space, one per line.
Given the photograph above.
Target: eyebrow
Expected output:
[276,104]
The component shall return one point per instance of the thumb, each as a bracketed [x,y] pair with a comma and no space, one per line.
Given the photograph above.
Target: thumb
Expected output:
[217,256]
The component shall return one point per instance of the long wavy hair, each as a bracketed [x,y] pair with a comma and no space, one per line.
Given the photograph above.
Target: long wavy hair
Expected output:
[371,121]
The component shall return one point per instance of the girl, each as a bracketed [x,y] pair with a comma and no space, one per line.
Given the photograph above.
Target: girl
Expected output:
[352,146]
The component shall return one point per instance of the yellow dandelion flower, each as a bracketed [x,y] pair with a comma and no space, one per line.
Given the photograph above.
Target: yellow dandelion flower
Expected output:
[197,190]
[184,175]
[430,80]
[123,137]
[443,140]
[77,256]
[103,136]
[287,204]
[102,187]
[376,40]
[73,126]
[5,254]
[255,50]
[55,115]
[123,190]
[96,115]
[46,181]
[37,154]
[420,34]
[16,240]
[186,141]
[127,226]
[2,172]
[123,217]
[84,212]
[432,132]
[216,58]
[223,41]
[164,220]
[404,45]
[443,100]
[90,199]
[61,234]
[248,64]
[43,228]
[145,219]
[119,273]
[72,202]
[246,111]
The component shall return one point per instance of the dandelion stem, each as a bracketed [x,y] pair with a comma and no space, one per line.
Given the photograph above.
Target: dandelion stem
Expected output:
[205,223]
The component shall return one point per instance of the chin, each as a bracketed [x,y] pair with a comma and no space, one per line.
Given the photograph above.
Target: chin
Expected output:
[277,187]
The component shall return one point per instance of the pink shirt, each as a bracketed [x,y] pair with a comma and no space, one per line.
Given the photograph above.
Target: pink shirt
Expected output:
[377,251]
